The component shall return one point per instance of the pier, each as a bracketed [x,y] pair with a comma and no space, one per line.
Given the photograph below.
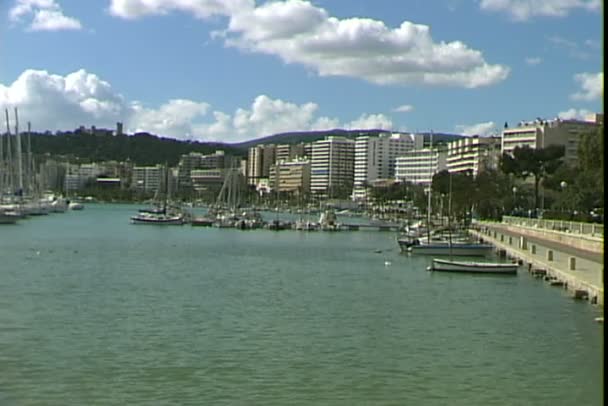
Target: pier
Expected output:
[571,258]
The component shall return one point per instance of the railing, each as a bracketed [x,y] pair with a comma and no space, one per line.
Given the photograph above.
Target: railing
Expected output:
[589,229]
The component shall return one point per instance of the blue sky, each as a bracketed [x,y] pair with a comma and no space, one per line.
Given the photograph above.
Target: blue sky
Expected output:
[233,70]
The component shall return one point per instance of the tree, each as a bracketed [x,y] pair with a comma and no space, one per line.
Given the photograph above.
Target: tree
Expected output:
[539,163]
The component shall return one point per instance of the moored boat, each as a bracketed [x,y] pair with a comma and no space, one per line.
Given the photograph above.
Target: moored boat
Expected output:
[456,248]
[473,267]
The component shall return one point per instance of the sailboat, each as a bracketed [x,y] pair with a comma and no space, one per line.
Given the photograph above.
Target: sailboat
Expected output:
[161,215]
[450,265]
[440,245]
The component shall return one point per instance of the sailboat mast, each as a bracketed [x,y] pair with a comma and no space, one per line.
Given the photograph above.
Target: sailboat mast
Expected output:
[9,155]
[19,155]
[428,209]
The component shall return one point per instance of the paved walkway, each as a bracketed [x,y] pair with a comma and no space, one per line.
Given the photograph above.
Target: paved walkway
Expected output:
[588,270]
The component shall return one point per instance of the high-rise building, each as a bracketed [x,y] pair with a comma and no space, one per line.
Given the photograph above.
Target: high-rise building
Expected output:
[332,167]
[260,159]
[196,160]
[291,177]
[473,154]
[542,133]
[419,165]
[147,179]
[375,158]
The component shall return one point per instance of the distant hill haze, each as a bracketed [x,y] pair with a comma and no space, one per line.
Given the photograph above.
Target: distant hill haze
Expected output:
[149,149]
[296,137]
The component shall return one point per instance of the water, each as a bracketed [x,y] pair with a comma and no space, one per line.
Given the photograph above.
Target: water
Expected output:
[96,311]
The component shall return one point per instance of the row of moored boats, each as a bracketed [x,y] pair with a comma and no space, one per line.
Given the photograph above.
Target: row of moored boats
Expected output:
[12,212]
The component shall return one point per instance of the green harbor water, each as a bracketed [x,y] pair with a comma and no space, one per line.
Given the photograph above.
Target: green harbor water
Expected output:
[96,311]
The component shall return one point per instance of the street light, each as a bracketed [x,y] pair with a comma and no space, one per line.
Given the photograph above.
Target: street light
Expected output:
[514,199]
[563,186]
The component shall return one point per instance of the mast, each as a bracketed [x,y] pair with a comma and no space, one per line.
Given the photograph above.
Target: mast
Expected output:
[428,209]
[19,157]
[450,214]
[9,156]
[29,165]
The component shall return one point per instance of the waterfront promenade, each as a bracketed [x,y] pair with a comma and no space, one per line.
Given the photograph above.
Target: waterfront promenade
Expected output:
[572,259]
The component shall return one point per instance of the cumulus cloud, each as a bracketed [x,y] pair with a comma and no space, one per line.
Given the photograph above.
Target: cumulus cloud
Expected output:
[592,86]
[574,114]
[482,129]
[299,32]
[523,10]
[54,102]
[370,121]
[46,15]
[405,108]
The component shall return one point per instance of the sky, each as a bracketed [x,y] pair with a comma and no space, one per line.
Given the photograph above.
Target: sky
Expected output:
[237,70]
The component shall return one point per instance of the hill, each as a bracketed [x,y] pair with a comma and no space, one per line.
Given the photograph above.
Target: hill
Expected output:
[150,149]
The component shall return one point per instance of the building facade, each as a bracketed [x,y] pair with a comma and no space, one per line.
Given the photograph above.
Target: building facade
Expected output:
[542,133]
[375,158]
[291,177]
[473,154]
[332,167]
[259,160]
[419,165]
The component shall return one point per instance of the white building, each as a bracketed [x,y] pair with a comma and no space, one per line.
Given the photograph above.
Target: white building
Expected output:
[473,154]
[259,160]
[332,167]
[147,178]
[375,158]
[542,133]
[419,165]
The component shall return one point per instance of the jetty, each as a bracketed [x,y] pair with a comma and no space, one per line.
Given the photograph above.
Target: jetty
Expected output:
[566,254]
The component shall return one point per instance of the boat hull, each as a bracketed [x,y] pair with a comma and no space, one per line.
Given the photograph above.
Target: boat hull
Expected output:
[459,249]
[176,221]
[473,267]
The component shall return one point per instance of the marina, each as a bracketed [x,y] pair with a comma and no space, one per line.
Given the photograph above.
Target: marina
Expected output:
[119,314]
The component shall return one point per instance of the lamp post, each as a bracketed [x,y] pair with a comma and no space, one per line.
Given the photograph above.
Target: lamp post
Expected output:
[514,199]
[563,185]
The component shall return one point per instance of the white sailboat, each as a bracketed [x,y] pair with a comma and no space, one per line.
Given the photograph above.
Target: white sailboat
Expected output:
[161,215]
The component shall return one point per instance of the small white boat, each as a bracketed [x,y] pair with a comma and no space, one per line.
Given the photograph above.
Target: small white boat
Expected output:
[75,206]
[473,267]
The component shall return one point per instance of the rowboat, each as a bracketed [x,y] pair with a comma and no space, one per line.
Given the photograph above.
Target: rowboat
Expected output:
[444,265]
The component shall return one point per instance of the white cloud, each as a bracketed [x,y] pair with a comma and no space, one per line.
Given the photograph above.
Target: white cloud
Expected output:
[522,10]
[299,32]
[406,108]
[481,129]
[573,113]
[46,15]
[533,61]
[55,102]
[132,9]
[370,122]
[592,86]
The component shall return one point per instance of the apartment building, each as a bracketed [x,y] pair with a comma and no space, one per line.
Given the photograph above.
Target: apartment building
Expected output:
[332,167]
[419,165]
[291,176]
[147,179]
[542,133]
[473,154]
[194,161]
[259,160]
[375,158]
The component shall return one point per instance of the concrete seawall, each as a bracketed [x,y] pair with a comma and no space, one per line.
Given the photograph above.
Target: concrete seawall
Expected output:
[569,260]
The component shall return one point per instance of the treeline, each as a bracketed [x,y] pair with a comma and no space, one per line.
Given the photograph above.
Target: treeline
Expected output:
[139,148]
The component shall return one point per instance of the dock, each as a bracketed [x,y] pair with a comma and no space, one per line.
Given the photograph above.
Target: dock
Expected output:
[573,262]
